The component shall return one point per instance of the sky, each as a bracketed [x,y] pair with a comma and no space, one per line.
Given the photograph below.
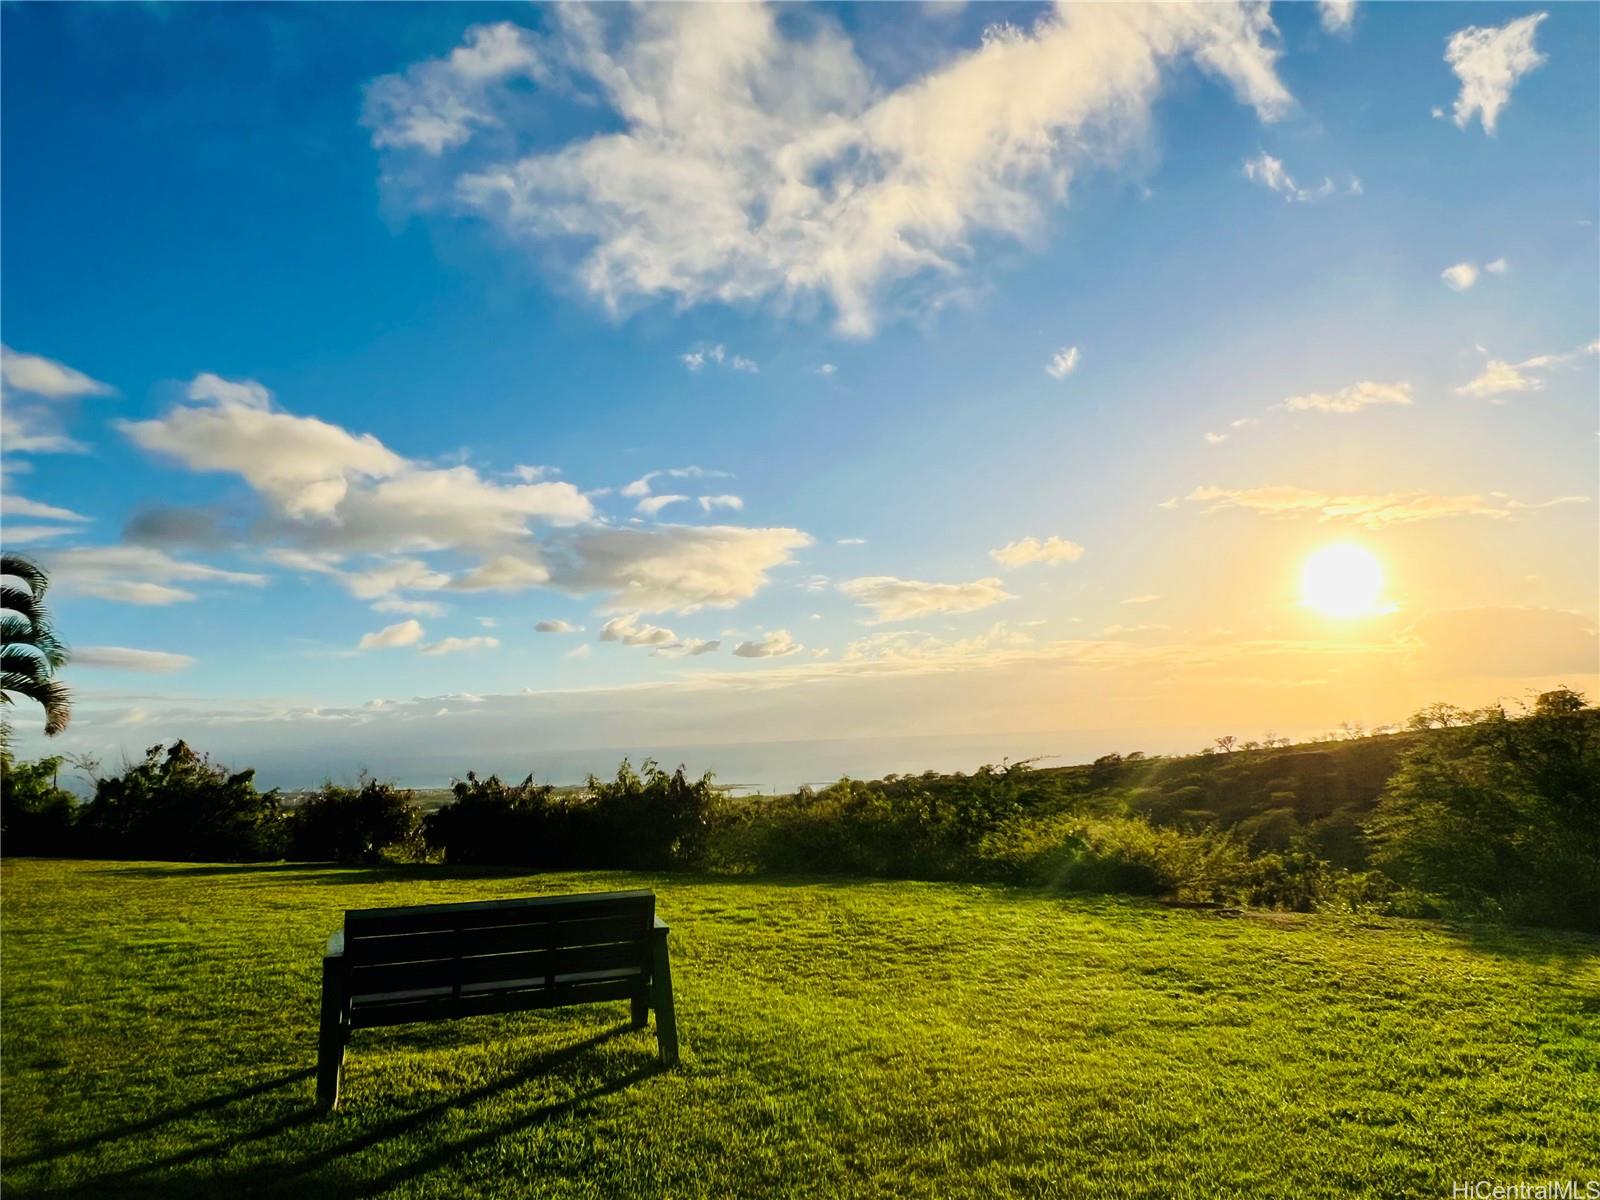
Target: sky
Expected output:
[796,390]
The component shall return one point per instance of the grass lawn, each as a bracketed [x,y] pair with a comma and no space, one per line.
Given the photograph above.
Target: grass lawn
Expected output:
[856,1039]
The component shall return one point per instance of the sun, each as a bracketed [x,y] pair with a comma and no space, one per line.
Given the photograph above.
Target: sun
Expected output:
[1343,581]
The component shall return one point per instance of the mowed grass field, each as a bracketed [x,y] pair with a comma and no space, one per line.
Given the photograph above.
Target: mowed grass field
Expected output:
[840,1039]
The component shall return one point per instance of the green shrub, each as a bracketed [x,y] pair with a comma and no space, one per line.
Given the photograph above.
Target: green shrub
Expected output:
[179,805]
[36,816]
[355,825]
[1501,816]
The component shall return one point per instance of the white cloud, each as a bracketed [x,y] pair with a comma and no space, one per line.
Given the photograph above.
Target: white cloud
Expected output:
[746,159]
[630,632]
[1498,267]
[642,485]
[827,369]
[406,633]
[1370,511]
[1215,439]
[677,568]
[33,387]
[124,658]
[506,573]
[436,105]
[1351,399]
[581,650]
[652,505]
[19,506]
[454,645]
[135,574]
[1148,598]
[695,360]
[1063,363]
[1489,62]
[45,377]
[851,542]
[892,599]
[1270,173]
[422,608]
[26,429]
[1500,378]
[1338,16]
[18,534]
[1052,550]
[776,644]
[557,626]
[707,503]
[688,648]
[345,491]
[1460,277]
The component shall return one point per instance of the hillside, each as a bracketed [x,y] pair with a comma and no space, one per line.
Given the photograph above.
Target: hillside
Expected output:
[841,1038]
[1271,795]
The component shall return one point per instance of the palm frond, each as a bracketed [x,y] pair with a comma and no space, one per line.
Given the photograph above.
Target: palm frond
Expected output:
[20,600]
[25,569]
[51,694]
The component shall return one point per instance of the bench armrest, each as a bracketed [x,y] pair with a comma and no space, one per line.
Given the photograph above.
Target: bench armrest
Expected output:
[661,926]
[335,945]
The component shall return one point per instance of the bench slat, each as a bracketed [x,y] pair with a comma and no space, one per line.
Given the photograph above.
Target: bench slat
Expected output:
[364,949]
[486,968]
[444,1007]
[371,922]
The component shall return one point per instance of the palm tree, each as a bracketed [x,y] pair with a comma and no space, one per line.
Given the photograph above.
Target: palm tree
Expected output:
[30,652]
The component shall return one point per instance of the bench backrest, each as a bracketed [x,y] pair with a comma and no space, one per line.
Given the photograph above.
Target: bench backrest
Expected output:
[496,955]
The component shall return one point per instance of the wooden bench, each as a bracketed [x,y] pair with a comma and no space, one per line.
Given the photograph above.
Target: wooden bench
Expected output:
[435,962]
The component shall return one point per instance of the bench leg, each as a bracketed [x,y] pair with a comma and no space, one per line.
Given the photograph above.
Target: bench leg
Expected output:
[330,1036]
[641,1005]
[661,1001]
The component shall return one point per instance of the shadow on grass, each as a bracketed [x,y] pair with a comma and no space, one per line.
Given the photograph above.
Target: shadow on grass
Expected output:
[151,1124]
[330,1167]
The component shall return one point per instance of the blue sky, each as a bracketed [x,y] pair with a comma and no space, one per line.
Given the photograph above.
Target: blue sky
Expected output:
[329,275]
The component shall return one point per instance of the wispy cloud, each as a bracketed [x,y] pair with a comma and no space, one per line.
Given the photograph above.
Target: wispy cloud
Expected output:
[1269,172]
[1351,399]
[777,644]
[405,633]
[892,599]
[789,171]
[1500,378]
[1488,62]
[630,631]
[135,574]
[696,360]
[456,645]
[125,658]
[1374,511]
[1063,363]
[1051,551]
[1337,16]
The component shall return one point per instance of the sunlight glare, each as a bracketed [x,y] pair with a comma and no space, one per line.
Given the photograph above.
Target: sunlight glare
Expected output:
[1343,581]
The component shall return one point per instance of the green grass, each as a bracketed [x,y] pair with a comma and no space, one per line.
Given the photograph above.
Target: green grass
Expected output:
[857,1039]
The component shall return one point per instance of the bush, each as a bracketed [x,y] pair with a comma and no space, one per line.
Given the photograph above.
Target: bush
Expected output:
[1501,816]
[354,825]
[1129,856]
[647,819]
[36,816]
[914,827]
[180,805]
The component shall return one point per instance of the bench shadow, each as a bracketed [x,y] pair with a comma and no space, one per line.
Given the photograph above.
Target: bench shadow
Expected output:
[151,1124]
[298,1178]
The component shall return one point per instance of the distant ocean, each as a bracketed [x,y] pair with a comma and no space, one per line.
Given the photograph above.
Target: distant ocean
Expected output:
[756,767]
